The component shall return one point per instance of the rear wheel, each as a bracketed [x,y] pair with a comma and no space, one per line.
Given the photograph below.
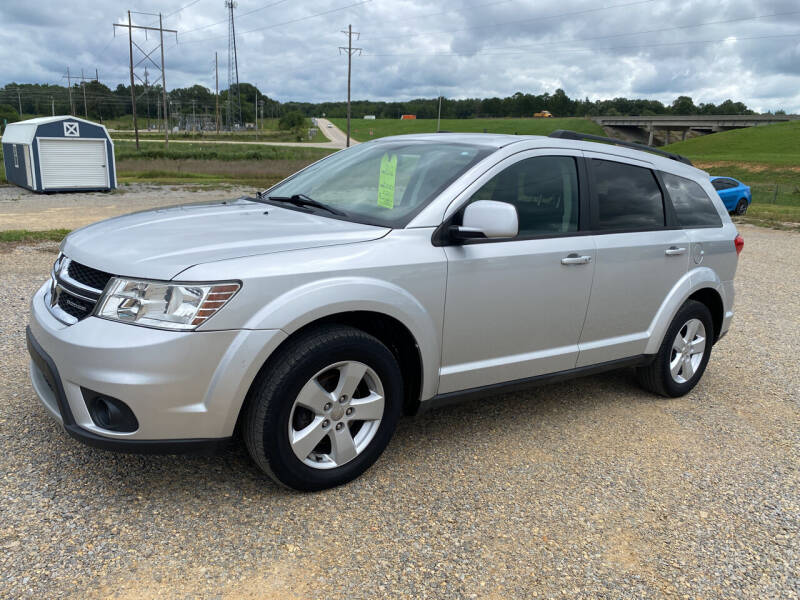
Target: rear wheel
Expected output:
[325,409]
[684,353]
[741,207]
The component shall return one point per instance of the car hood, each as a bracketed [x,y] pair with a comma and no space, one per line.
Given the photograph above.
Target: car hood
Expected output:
[159,244]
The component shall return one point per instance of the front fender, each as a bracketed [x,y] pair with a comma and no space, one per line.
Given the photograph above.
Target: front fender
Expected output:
[315,300]
[694,280]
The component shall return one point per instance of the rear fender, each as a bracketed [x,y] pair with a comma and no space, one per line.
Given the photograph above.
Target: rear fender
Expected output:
[694,280]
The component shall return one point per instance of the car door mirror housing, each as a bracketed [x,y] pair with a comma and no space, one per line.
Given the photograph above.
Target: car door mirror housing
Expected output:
[487,219]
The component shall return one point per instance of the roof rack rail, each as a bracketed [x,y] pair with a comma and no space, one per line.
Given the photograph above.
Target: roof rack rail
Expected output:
[566,134]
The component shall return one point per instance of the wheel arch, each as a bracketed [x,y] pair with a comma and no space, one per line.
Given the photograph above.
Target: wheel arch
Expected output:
[701,284]
[713,301]
[389,330]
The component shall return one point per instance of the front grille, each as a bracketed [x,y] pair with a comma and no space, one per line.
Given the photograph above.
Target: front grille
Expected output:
[74,306]
[88,276]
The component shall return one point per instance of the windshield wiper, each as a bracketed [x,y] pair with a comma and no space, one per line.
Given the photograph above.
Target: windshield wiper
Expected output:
[303,200]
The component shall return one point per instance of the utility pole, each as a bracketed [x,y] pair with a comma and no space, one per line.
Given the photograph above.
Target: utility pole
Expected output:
[52,106]
[133,89]
[19,101]
[194,119]
[164,79]
[216,88]
[439,118]
[83,86]
[69,89]
[147,56]
[350,50]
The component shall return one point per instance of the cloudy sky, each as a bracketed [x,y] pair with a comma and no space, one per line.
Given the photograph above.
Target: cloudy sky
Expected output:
[747,50]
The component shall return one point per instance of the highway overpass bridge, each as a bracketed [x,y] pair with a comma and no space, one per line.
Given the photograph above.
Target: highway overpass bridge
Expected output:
[659,127]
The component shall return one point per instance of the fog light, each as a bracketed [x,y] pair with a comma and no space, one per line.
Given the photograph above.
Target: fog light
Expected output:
[109,413]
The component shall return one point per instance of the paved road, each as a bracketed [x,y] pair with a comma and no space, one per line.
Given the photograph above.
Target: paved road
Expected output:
[584,489]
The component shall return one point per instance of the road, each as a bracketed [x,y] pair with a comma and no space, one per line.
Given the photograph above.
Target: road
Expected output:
[584,489]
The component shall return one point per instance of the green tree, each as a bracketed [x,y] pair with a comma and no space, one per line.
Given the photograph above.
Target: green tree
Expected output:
[293,121]
[7,114]
[683,105]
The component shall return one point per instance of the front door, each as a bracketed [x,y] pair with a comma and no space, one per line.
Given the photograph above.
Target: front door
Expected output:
[515,308]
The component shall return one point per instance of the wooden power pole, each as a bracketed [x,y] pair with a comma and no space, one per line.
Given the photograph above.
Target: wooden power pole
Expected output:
[350,50]
[216,84]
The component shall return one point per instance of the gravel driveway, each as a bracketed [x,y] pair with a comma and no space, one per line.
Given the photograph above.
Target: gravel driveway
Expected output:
[585,489]
[23,209]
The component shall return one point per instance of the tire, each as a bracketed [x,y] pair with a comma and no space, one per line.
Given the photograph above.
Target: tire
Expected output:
[322,363]
[741,207]
[658,377]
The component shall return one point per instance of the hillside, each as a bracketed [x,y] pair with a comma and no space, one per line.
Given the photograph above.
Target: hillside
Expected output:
[769,145]
[363,131]
[765,158]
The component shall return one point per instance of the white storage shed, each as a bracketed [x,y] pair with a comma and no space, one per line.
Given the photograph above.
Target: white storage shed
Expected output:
[59,154]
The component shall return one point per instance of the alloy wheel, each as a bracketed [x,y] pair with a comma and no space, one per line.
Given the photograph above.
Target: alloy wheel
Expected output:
[336,415]
[687,352]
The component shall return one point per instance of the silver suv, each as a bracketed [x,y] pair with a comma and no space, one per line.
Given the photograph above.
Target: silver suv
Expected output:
[395,276]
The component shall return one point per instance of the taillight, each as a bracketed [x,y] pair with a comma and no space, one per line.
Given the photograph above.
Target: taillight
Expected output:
[739,243]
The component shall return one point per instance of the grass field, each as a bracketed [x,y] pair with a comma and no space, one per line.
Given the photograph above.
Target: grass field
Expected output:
[765,158]
[210,163]
[360,129]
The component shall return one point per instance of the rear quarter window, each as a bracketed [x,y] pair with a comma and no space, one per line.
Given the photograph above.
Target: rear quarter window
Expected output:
[692,205]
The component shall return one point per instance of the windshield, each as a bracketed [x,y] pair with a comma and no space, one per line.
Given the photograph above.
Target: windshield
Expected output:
[384,183]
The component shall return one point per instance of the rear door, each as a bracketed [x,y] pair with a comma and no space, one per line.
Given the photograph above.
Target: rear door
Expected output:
[641,254]
[72,163]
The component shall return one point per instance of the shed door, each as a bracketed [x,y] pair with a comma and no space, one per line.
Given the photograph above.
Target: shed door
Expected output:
[71,163]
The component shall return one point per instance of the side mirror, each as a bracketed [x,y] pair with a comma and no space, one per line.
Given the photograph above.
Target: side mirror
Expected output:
[487,219]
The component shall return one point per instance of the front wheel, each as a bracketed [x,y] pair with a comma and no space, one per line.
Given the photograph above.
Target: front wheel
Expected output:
[325,409]
[741,207]
[684,353]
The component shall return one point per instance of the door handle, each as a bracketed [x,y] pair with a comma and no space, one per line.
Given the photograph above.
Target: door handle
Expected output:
[575,259]
[674,251]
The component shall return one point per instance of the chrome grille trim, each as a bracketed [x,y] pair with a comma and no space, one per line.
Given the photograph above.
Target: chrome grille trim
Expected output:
[61,283]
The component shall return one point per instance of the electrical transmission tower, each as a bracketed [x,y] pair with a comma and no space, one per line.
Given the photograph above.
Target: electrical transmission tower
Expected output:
[147,56]
[350,51]
[234,98]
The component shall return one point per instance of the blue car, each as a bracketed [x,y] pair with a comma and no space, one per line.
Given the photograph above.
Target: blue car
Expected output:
[735,195]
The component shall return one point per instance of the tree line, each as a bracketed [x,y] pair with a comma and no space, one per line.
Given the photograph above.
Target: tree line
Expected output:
[97,101]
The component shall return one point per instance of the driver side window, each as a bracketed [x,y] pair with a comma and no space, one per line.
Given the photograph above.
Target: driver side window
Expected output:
[544,190]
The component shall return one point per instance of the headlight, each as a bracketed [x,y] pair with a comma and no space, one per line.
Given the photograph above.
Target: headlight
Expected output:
[180,306]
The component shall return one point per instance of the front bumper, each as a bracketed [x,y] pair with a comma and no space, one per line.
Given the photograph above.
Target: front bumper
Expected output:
[185,388]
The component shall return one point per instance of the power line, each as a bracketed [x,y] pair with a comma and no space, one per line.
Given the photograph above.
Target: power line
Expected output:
[682,43]
[327,12]
[240,15]
[518,21]
[660,30]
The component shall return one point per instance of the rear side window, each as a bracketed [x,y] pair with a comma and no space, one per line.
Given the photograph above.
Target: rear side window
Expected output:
[628,197]
[692,205]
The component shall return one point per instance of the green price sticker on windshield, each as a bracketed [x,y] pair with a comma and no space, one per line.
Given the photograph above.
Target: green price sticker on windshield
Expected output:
[386,181]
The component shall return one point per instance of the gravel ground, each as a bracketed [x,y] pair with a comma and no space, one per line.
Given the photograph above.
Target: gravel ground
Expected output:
[22,209]
[585,489]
